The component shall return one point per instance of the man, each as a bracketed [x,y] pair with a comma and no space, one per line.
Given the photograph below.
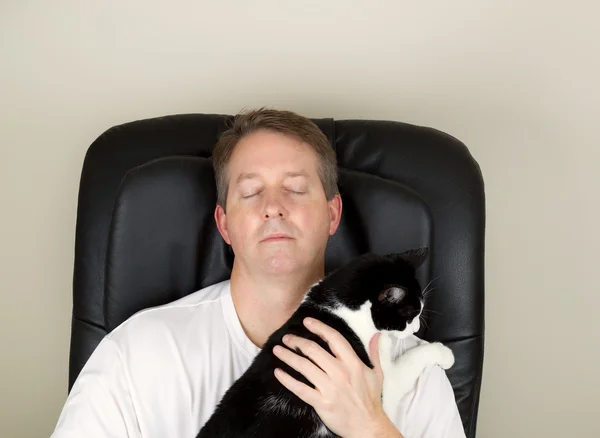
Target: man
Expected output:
[163,371]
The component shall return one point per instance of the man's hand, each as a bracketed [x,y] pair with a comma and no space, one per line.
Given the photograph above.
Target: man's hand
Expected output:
[347,394]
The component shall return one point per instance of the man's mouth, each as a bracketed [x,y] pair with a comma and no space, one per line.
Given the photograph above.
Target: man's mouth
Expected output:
[275,237]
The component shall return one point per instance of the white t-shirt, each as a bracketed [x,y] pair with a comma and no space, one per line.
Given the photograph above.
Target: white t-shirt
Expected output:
[163,371]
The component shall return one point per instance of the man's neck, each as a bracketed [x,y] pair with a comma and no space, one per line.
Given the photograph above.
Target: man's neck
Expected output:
[263,305]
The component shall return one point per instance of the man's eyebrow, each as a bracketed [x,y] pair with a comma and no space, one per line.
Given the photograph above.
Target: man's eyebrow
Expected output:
[245,176]
[296,174]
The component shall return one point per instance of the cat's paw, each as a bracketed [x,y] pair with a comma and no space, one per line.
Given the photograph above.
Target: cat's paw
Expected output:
[441,355]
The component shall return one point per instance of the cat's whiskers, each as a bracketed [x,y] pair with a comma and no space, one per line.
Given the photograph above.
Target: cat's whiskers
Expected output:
[432,280]
[427,285]
[426,291]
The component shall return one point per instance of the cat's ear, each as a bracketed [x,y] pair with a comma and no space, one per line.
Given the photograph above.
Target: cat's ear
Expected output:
[416,257]
[392,295]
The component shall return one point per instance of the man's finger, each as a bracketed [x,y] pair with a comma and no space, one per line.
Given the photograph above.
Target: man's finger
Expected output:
[339,345]
[314,352]
[309,370]
[374,355]
[303,391]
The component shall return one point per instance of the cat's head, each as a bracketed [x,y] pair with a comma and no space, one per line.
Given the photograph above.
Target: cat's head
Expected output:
[391,285]
[387,284]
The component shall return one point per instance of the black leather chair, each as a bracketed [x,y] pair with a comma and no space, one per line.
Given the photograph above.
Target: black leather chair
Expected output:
[146,236]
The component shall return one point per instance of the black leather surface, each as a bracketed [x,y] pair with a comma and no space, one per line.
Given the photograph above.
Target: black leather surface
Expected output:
[146,234]
[164,243]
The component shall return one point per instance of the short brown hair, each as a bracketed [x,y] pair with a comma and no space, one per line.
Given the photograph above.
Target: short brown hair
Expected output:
[284,122]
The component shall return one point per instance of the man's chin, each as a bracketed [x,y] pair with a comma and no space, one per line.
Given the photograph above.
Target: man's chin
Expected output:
[281,265]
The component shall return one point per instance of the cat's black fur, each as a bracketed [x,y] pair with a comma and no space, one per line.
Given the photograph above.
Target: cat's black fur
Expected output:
[241,412]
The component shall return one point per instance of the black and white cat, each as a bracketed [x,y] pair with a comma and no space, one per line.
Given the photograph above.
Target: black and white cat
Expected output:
[371,293]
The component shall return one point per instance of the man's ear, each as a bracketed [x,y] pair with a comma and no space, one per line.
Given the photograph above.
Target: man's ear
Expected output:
[221,221]
[335,213]
[416,257]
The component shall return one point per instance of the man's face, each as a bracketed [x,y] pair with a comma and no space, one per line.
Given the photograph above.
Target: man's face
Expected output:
[277,217]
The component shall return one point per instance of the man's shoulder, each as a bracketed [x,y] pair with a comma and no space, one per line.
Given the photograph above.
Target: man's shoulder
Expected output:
[175,314]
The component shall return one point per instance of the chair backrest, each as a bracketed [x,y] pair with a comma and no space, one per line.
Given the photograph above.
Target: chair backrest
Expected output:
[146,236]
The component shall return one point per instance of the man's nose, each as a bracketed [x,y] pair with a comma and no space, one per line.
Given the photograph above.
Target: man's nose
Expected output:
[273,207]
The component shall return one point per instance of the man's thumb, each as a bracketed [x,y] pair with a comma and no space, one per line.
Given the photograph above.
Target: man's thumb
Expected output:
[374,355]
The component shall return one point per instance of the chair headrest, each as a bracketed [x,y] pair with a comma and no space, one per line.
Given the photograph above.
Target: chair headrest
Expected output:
[164,243]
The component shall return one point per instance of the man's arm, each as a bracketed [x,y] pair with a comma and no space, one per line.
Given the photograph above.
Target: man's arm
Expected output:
[99,403]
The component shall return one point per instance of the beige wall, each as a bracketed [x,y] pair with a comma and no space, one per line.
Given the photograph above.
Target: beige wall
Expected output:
[516,81]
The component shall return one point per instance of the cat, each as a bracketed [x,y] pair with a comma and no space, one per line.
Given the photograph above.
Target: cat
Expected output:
[371,293]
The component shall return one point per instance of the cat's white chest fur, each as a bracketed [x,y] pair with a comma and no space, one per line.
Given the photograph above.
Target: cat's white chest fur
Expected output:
[399,373]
